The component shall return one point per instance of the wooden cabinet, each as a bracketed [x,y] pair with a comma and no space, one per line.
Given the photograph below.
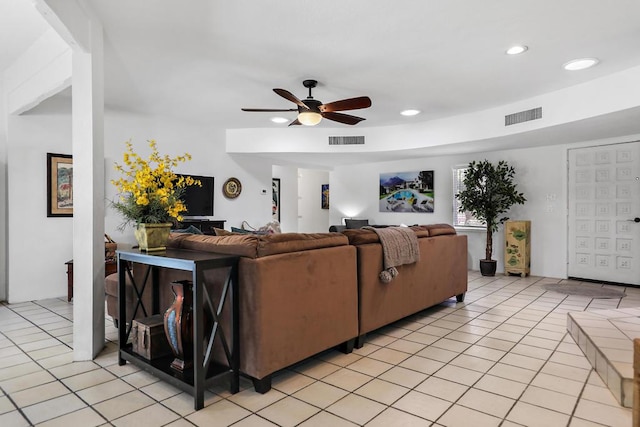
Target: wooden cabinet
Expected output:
[517,251]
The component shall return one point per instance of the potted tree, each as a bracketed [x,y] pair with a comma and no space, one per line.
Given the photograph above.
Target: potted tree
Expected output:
[489,192]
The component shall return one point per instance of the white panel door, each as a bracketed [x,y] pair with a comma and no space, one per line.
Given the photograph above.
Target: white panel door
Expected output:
[604,205]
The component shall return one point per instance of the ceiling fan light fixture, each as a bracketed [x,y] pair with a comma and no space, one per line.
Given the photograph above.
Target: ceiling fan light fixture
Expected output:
[309,118]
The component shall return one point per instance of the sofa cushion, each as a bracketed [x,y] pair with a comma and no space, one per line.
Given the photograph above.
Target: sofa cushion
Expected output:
[256,246]
[365,236]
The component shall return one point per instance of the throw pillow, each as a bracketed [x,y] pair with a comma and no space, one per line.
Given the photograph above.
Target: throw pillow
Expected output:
[189,230]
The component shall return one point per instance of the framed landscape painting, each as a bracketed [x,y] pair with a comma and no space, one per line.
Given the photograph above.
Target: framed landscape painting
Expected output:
[59,185]
[325,196]
[406,192]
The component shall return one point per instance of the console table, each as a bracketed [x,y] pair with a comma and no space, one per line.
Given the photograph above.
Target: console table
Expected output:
[204,370]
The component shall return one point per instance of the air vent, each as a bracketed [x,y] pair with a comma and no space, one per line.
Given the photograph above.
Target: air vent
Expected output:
[346,140]
[523,116]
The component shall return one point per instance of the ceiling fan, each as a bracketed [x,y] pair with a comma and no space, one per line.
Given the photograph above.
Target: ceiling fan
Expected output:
[311,111]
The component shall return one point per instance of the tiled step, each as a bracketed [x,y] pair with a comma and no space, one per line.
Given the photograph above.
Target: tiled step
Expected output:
[606,339]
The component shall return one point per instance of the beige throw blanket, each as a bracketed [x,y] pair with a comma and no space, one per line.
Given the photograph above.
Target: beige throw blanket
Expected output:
[399,247]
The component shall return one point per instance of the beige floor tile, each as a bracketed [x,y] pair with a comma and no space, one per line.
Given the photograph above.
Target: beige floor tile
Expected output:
[443,389]
[485,353]
[339,358]
[564,371]
[254,401]
[288,412]
[290,381]
[325,419]
[253,421]
[316,368]
[382,391]
[347,379]
[39,393]
[405,346]
[393,417]
[88,379]
[13,419]
[45,353]
[496,343]
[160,390]
[104,391]
[553,400]
[512,372]
[366,349]
[356,409]
[559,384]
[458,416]
[26,381]
[539,342]
[420,338]
[570,360]
[501,386]
[320,394]
[380,340]
[86,417]
[422,405]
[53,408]
[403,376]
[58,360]
[182,403]
[603,414]
[139,379]
[439,354]
[17,370]
[599,394]
[534,416]
[6,405]
[74,368]
[422,364]
[370,367]
[473,363]
[149,416]
[486,402]
[452,345]
[124,404]
[458,374]
[522,361]
[389,355]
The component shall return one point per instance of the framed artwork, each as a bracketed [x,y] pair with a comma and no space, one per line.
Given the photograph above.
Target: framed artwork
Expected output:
[406,192]
[59,185]
[275,204]
[325,196]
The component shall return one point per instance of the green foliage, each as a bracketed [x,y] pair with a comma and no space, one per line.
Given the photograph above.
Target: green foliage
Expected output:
[489,192]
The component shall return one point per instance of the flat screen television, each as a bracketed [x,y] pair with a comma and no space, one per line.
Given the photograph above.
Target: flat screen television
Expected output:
[199,200]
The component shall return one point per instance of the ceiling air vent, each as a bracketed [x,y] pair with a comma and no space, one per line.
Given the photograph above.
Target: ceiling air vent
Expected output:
[523,116]
[346,140]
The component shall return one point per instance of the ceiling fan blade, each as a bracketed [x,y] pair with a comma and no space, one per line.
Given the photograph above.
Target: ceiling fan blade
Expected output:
[262,110]
[347,104]
[347,119]
[291,97]
[295,122]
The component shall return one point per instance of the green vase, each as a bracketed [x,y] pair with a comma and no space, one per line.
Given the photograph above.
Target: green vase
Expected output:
[152,237]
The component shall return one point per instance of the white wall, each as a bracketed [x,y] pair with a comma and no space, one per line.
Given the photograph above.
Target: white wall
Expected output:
[3,193]
[311,217]
[39,246]
[541,174]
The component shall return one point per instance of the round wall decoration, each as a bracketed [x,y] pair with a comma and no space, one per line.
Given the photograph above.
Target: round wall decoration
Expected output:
[232,188]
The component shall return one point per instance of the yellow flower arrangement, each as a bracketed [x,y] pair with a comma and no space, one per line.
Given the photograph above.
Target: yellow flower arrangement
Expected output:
[150,192]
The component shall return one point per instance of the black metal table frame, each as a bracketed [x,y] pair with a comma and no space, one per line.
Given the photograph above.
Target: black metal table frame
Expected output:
[197,263]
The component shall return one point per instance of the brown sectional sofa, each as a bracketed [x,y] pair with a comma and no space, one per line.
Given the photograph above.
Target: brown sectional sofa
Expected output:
[301,294]
[440,274]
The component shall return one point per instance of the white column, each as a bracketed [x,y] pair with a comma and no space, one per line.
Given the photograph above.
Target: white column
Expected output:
[3,192]
[88,197]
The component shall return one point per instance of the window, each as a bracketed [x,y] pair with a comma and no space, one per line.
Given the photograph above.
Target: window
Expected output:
[462,219]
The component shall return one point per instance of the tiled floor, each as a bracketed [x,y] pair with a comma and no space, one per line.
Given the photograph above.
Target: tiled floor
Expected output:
[606,338]
[501,358]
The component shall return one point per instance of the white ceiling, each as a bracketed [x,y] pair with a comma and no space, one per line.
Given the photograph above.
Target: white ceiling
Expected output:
[202,60]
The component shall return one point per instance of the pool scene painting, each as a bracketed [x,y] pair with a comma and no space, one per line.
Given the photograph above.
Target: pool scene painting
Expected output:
[406,192]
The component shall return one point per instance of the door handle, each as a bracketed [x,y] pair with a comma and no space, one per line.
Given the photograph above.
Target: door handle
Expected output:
[636,219]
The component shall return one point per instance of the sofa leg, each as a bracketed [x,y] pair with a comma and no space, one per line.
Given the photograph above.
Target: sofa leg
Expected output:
[360,340]
[347,346]
[262,385]
[460,297]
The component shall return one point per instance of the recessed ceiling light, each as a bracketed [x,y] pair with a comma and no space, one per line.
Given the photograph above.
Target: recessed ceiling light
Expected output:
[279,120]
[410,112]
[517,49]
[580,64]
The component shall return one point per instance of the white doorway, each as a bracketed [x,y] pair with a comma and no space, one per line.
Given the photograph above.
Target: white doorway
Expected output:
[604,205]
